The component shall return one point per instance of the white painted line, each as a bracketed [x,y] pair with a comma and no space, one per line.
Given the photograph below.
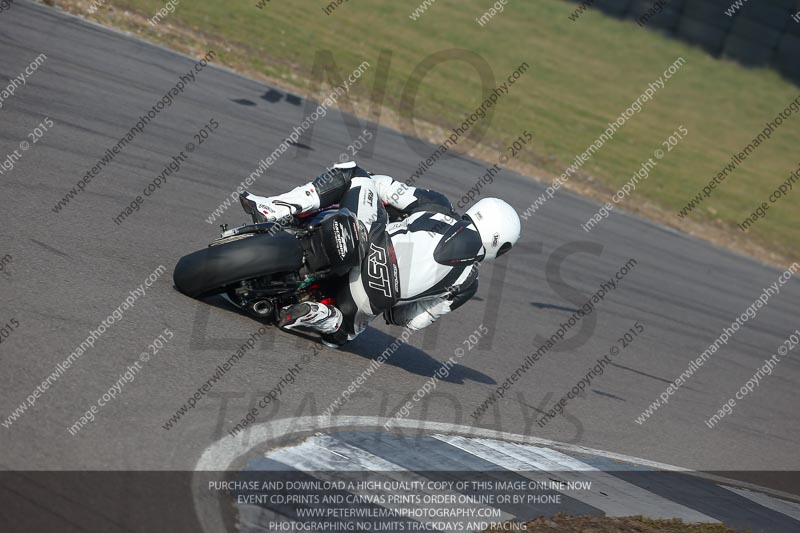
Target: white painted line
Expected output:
[790,509]
[221,455]
[610,494]
[253,518]
[326,456]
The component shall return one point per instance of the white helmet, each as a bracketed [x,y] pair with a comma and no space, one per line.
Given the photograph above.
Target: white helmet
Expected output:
[497,223]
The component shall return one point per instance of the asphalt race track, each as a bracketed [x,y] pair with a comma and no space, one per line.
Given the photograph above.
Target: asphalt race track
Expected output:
[72,269]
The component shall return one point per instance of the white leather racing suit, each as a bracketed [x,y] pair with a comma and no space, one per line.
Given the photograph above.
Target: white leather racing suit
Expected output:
[417,269]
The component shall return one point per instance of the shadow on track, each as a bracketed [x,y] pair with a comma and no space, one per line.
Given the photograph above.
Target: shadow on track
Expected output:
[372,343]
[410,358]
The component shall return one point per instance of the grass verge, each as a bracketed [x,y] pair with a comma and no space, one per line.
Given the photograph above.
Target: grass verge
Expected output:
[581,75]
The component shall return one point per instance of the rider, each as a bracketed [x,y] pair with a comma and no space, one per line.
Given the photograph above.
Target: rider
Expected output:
[416,270]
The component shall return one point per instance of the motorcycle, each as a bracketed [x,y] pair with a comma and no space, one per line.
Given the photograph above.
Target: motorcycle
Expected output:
[263,267]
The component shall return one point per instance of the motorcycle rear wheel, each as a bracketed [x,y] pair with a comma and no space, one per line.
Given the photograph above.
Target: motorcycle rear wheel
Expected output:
[209,271]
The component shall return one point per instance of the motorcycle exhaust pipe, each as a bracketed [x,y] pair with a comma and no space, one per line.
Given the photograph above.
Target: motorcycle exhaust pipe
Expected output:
[261,307]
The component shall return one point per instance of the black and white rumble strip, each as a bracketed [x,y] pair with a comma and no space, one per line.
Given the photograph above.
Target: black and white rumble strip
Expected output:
[443,481]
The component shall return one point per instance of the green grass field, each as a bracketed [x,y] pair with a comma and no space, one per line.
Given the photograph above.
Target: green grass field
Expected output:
[582,75]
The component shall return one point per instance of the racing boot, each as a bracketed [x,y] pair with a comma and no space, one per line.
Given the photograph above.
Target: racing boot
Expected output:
[301,199]
[325,319]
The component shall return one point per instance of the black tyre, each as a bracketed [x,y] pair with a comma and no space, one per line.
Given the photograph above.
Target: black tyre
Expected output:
[209,271]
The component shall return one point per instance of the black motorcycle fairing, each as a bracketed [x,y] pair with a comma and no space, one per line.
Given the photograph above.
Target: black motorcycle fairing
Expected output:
[336,245]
